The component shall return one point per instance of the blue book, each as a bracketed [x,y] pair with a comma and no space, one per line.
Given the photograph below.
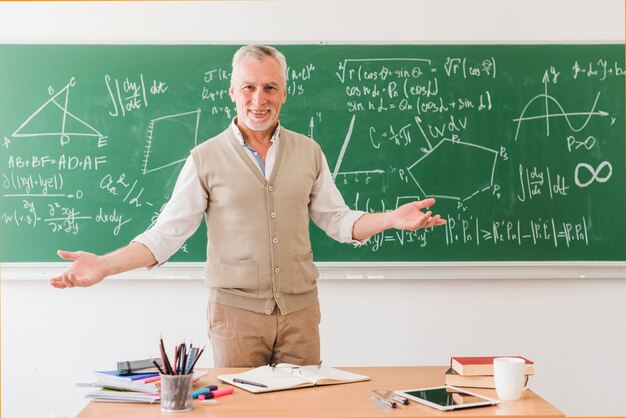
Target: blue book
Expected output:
[132,376]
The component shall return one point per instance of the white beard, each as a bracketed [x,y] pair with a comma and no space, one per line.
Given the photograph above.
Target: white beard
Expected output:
[257,125]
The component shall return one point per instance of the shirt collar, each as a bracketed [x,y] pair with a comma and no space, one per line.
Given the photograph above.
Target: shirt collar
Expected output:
[239,136]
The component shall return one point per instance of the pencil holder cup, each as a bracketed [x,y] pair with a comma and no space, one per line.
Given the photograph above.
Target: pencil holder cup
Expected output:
[176,393]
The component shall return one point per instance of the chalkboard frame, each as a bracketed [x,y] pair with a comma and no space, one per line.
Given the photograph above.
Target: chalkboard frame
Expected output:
[360,271]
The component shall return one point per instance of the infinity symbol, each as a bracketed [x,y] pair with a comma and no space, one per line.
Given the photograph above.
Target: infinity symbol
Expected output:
[595,173]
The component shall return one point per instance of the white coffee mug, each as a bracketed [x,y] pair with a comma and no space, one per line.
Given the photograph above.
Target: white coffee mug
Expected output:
[510,378]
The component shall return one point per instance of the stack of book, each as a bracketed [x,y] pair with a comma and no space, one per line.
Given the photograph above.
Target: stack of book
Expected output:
[476,372]
[127,388]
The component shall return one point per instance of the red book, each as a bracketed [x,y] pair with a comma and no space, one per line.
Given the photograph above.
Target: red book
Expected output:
[481,366]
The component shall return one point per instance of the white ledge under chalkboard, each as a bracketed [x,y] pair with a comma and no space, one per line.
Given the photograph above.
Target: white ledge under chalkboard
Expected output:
[364,271]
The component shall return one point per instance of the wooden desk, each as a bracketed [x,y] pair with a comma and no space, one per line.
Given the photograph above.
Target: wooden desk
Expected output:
[335,401]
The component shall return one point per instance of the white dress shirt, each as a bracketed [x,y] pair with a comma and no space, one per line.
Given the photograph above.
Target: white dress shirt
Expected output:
[183,213]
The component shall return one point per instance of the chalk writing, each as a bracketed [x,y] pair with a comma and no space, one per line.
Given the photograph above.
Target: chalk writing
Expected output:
[132,95]
[54,113]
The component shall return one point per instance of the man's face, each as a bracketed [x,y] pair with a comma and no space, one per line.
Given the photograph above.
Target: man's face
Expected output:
[258,90]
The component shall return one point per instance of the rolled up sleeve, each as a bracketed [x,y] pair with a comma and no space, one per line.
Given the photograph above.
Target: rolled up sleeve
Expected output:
[329,210]
[180,217]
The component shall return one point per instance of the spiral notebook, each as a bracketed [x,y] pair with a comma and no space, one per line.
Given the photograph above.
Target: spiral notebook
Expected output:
[108,395]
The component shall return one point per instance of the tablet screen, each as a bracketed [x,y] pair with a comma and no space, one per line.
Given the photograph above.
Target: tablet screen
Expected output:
[446,397]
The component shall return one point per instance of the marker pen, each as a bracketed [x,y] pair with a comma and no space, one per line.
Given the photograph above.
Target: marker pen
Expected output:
[201,391]
[215,393]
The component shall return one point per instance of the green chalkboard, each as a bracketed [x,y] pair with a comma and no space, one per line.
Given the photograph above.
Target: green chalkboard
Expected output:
[521,145]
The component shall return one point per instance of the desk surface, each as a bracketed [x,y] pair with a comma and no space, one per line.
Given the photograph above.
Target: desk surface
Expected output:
[335,401]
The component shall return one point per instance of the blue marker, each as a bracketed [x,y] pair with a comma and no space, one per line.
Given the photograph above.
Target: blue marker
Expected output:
[199,392]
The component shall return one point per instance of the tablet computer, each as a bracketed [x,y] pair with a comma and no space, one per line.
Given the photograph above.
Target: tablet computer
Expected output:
[447,398]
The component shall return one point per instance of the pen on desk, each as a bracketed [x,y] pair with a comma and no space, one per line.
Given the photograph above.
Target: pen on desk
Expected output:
[401,399]
[247,382]
[389,403]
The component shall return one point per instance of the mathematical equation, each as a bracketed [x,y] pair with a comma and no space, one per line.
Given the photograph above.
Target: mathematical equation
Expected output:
[473,232]
[60,218]
[411,84]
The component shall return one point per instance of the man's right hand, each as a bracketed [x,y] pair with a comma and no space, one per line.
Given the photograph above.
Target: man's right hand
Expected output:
[87,269]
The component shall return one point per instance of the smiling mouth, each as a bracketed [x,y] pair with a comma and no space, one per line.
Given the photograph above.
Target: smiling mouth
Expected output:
[259,112]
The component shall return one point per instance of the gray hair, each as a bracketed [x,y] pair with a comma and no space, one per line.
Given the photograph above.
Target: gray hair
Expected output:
[259,52]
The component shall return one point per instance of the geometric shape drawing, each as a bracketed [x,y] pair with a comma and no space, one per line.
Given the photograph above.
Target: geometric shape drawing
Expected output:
[181,128]
[454,170]
[346,141]
[53,119]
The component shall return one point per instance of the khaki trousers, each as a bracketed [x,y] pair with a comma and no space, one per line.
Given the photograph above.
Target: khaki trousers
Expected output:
[242,338]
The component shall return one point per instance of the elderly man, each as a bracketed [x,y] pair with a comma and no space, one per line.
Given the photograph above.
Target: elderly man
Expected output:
[256,184]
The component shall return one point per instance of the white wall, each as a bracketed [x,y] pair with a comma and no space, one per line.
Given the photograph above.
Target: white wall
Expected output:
[573,329]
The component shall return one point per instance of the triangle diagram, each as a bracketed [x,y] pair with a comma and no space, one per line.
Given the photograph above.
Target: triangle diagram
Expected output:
[53,119]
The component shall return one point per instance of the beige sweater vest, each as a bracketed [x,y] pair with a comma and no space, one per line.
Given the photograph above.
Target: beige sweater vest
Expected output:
[259,250]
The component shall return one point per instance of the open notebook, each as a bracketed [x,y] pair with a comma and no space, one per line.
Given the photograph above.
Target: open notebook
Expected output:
[287,376]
